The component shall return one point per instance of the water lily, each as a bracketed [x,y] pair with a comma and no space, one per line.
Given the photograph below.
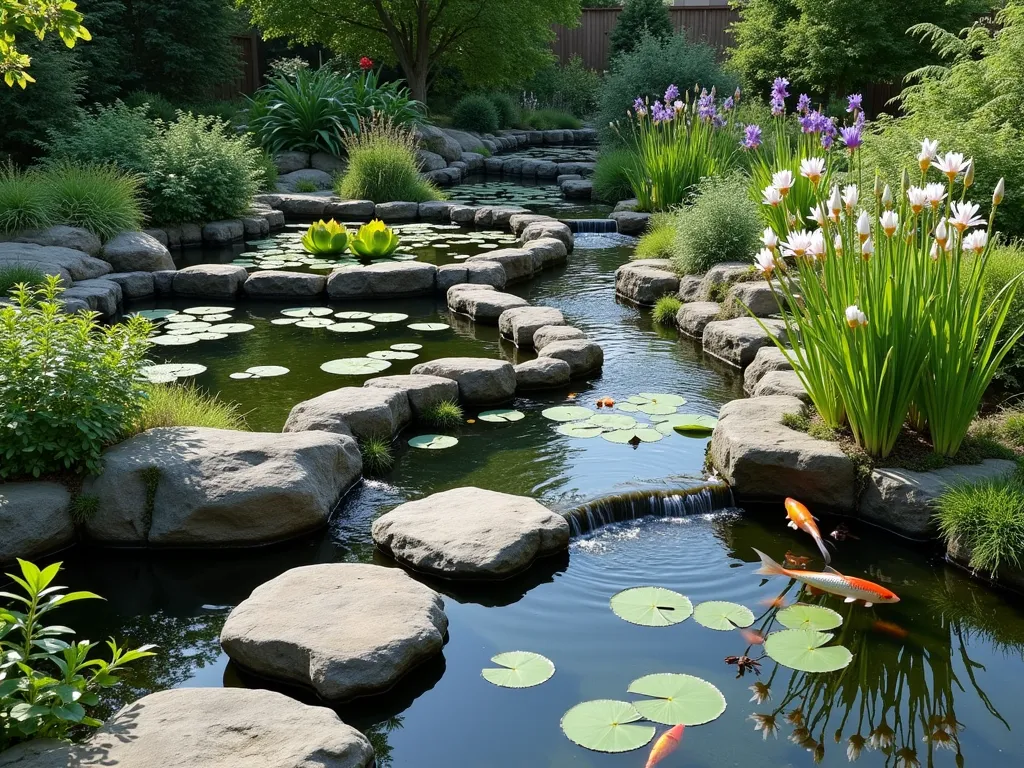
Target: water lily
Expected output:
[976,241]
[326,238]
[929,149]
[374,240]
[934,194]
[917,198]
[783,181]
[761,691]
[965,215]
[765,261]
[855,318]
[812,168]
[890,222]
[766,725]
[772,196]
[769,238]
[863,226]
[854,746]
[952,164]
[851,196]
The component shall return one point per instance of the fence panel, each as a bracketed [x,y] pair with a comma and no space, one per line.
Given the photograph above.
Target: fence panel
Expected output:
[248,79]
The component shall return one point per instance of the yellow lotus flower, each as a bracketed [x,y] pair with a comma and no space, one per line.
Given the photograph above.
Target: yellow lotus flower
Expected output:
[375,240]
[326,238]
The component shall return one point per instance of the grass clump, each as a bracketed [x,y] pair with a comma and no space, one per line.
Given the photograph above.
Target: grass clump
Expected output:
[382,165]
[665,310]
[100,198]
[659,242]
[186,405]
[447,413]
[1004,264]
[476,112]
[306,186]
[507,109]
[378,455]
[723,224]
[22,202]
[986,521]
[611,175]
[83,508]
[12,275]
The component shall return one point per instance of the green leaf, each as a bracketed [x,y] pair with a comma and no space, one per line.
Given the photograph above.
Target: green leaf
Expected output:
[805,650]
[355,366]
[582,429]
[643,434]
[301,312]
[606,726]
[387,317]
[428,326]
[231,328]
[199,311]
[653,409]
[519,669]
[71,597]
[406,347]
[612,421]
[678,699]
[814,617]
[651,606]
[351,315]
[567,413]
[350,327]
[723,616]
[662,399]
[433,442]
[392,354]
[502,415]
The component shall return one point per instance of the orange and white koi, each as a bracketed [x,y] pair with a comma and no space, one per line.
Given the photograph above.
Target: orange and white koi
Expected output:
[832,581]
[665,746]
[801,519]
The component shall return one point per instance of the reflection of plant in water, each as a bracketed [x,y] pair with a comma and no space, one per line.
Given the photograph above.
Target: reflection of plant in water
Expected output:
[378,736]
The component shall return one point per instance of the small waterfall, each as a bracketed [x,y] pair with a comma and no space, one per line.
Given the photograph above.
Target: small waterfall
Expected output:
[700,500]
[592,226]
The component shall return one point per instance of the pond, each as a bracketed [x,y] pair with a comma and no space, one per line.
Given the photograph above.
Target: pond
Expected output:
[540,196]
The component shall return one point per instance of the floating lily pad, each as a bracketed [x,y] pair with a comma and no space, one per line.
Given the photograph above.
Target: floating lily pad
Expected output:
[684,422]
[267,371]
[355,366]
[387,317]
[567,413]
[813,617]
[428,326]
[583,429]
[209,336]
[604,725]
[627,407]
[502,415]
[392,354]
[174,340]
[433,442]
[284,321]
[174,370]
[209,310]
[193,327]
[301,312]
[805,650]
[654,397]
[216,318]
[677,699]
[651,606]
[155,314]
[352,315]
[314,322]
[232,328]
[350,327]
[643,434]
[723,616]
[519,669]
[656,409]
[406,347]
[612,421]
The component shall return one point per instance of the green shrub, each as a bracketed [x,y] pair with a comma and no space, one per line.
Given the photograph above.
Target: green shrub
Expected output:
[378,455]
[68,387]
[987,520]
[101,198]
[1005,263]
[445,415]
[722,224]
[153,105]
[611,175]
[306,185]
[382,166]
[639,17]
[665,310]
[660,240]
[49,682]
[507,109]
[571,88]
[185,405]
[22,201]
[548,119]
[119,134]
[16,274]
[267,170]
[476,112]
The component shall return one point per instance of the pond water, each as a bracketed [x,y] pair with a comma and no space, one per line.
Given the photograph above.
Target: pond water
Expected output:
[540,196]
[577,153]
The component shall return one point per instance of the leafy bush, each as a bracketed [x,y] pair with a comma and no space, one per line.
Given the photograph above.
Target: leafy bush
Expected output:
[639,17]
[378,455]
[119,134]
[185,405]
[22,202]
[548,119]
[382,166]
[153,105]
[649,69]
[507,109]
[444,415]
[665,310]
[101,198]
[67,385]
[1006,264]
[16,274]
[987,520]
[476,112]
[723,224]
[660,240]
[611,175]
[48,682]
[571,87]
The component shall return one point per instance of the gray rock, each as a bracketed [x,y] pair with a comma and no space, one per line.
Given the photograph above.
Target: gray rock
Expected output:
[69,306]
[255,226]
[646,280]
[134,285]
[101,295]
[270,283]
[481,381]
[342,629]
[631,222]
[468,141]
[463,214]
[513,166]
[767,359]
[479,273]
[519,264]
[557,137]
[1007,576]
[724,274]
[548,251]
[520,221]
[435,210]
[765,461]
[520,323]
[903,501]
[35,518]
[136,252]
[483,306]
[329,164]
[630,205]
[551,228]
[757,297]
[359,411]
[542,373]
[275,219]
[424,392]
[474,161]
[430,161]
[345,210]
[435,140]
[215,281]
[208,727]
[497,216]
[577,189]
[192,486]
[223,232]
[546,169]
[494,165]
[551,333]
[736,341]
[190,234]
[691,288]
[287,162]
[694,317]
[397,211]
[460,166]
[582,355]
[160,235]
[298,205]
[386,280]
[781,383]
[47,269]
[163,281]
[563,177]
[290,182]
[55,260]
[470,533]
[76,238]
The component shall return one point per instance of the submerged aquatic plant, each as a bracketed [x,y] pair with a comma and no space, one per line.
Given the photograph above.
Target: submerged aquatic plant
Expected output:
[375,240]
[445,414]
[326,238]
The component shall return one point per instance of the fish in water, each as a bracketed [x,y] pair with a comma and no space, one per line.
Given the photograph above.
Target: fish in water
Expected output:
[888,628]
[801,519]
[665,746]
[832,581]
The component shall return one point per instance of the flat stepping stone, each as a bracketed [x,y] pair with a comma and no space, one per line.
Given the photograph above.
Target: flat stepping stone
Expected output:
[646,280]
[781,383]
[520,323]
[470,533]
[423,392]
[385,280]
[693,318]
[766,360]
[582,355]
[542,373]
[341,629]
[482,381]
[482,305]
[519,264]
[549,333]
[359,411]
[271,283]
[737,341]
[215,281]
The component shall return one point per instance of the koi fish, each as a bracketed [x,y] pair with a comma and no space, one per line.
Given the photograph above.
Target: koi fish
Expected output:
[801,519]
[665,746]
[888,628]
[832,581]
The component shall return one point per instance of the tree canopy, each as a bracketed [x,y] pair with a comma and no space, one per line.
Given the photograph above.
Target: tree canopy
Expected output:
[36,18]
[636,17]
[488,42]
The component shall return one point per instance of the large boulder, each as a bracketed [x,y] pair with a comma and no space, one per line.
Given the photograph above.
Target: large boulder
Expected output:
[691,288]
[646,280]
[481,381]
[435,140]
[100,295]
[346,210]
[342,629]
[546,251]
[550,228]
[271,283]
[542,373]
[387,280]
[631,222]
[737,341]
[75,238]
[397,211]
[766,360]
[478,273]
[577,189]
[435,210]
[214,281]
[54,260]
[195,486]
[582,355]
[35,518]
[551,333]
[134,285]
[720,277]
[359,411]
[287,182]
[207,728]
[424,392]
[288,162]
[136,252]
[520,323]
[781,383]
[752,297]
[224,232]
[328,163]
[519,264]
[481,302]
[468,141]
[430,161]
[763,460]
[298,205]
[694,317]
[520,221]
[470,533]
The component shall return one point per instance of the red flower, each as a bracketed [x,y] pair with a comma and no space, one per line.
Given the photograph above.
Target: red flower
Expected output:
[365,63]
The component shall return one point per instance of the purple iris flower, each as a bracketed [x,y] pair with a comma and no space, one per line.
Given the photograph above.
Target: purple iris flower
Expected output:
[803,104]
[854,102]
[861,119]
[718,121]
[639,107]
[671,94]
[706,106]
[829,133]
[660,114]
[752,137]
[778,106]
[851,136]
[728,104]
[779,88]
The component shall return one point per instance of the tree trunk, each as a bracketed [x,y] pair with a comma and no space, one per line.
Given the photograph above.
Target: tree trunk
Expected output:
[417,76]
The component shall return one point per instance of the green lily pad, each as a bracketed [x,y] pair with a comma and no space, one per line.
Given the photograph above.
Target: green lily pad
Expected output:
[651,606]
[643,434]
[654,397]
[567,413]
[232,328]
[813,617]
[209,310]
[355,366]
[350,327]
[691,422]
[805,650]
[502,415]
[216,318]
[627,407]
[723,616]
[267,371]
[433,442]
[519,669]
[315,322]
[155,314]
[284,321]
[301,312]
[352,315]
[612,421]
[604,725]
[174,340]
[677,699]
[387,317]
[174,370]
[193,327]
[406,347]
[392,354]
[583,429]
[208,336]
[656,409]
[428,327]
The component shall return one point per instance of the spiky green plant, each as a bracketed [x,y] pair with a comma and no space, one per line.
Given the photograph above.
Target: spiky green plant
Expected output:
[445,414]
[382,165]
[186,405]
[665,310]
[378,454]
[19,274]
[100,198]
[987,520]
[22,201]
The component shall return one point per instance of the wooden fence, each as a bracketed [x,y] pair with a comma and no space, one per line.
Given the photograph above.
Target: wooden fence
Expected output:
[249,73]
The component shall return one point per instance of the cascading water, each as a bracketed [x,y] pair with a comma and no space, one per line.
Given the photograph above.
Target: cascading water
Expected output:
[700,500]
[593,226]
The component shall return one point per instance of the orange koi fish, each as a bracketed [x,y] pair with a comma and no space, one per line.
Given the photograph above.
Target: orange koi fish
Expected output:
[888,628]
[801,519]
[832,581]
[665,746]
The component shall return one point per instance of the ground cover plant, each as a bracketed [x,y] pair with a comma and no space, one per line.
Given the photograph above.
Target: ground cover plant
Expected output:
[185,405]
[382,165]
[985,522]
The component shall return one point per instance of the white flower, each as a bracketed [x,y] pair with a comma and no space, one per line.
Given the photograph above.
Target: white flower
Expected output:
[864,226]
[798,244]
[938,248]
[890,222]
[766,724]
[765,261]
[761,691]
[867,249]
[855,318]
[928,151]
[838,243]
[941,233]
[976,241]
[999,193]
[965,215]
[934,194]
[818,215]
[678,106]
[812,168]
[772,196]
[770,239]
[887,197]
[918,199]
[783,181]
[952,164]
[817,247]
[851,195]
[835,203]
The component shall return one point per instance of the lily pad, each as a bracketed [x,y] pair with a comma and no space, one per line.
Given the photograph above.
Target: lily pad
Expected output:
[350,327]
[604,725]
[352,315]
[612,421]
[519,669]
[174,370]
[651,606]
[692,422]
[806,651]
[208,336]
[284,321]
[232,328]
[723,616]
[267,371]
[155,314]
[583,429]
[314,322]
[643,434]
[428,327]
[677,699]
[656,409]
[174,340]
[301,312]
[193,327]
[433,442]
[387,317]
[655,397]
[567,413]
[216,318]
[627,407]
[406,347]
[502,415]
[355,366]
[814,617]
[392,354]
[209,310]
